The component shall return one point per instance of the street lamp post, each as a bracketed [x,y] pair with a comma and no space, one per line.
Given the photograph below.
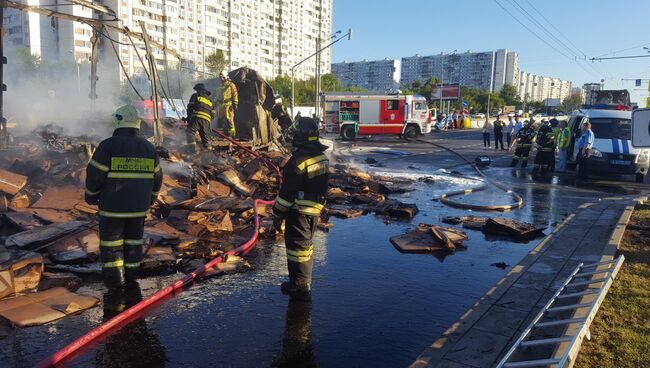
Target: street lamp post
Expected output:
[442,78]
[293,68]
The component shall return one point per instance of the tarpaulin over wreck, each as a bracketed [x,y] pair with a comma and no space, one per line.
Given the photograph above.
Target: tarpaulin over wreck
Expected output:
[259,115]
[253,119]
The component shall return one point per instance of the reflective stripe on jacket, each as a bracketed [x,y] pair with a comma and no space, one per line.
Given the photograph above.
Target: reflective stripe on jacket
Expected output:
[124,176]
[200,107]
[230,94]
[564,138]
[305,184]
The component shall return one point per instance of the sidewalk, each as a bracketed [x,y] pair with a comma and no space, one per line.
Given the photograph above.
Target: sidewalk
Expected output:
[487,329]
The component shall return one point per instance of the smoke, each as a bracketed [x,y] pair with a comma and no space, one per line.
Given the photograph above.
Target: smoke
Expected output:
[40,93]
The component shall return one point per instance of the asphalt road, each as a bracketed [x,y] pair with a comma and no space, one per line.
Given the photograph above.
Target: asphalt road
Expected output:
[372,306]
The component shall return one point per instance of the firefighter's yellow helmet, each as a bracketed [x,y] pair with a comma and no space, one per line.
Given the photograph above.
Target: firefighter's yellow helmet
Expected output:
[126,117]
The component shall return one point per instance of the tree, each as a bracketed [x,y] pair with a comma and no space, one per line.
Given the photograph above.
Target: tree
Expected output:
[330,83]
[305,90]
[216,62]
[509,94]
[25,61]
[571,102]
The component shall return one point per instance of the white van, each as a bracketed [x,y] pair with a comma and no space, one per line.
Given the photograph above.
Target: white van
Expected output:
[612,152]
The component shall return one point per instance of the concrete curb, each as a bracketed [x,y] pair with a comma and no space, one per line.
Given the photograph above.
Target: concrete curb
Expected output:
[442,345]
[617,235]
[435,354]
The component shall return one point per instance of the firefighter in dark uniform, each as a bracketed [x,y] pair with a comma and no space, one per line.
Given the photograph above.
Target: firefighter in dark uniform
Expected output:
[524,138]
[123,178]
[200,112]
[545,149]
[300,202]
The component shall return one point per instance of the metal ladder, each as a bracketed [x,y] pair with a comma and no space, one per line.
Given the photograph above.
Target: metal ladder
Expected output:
[576,286]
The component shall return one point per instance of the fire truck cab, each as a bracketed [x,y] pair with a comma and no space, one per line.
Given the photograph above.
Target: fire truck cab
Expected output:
[352,115]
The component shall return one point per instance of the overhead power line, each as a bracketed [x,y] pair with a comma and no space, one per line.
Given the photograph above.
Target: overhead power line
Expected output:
[571,55]
[555,28]
[619,57]
[530,30]
[626,49]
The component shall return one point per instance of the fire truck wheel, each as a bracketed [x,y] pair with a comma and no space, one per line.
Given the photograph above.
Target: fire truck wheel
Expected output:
[411,132]
[348,133]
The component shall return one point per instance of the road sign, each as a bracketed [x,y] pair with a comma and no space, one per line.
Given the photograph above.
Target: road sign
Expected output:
[641,128]
[637,83]
[449,92]
[465,103]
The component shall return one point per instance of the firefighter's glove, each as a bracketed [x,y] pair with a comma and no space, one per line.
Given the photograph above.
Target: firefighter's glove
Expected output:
[277,223]
[91,199]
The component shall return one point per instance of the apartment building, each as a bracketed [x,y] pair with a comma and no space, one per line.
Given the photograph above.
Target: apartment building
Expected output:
[269,36]
[52,39]
[534,87]
[486,70]
[377,75]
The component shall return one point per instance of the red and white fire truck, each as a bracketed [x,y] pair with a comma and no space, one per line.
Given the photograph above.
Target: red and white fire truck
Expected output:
[353,114]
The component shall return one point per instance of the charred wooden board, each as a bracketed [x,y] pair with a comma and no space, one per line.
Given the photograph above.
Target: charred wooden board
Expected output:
[422,239]
[11,183]
[514,228]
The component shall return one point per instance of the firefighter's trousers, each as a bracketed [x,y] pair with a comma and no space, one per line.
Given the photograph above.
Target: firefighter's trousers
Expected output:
[298,233]
[201,126]
[543,160]
[229,115]
[120,248]
[521,154]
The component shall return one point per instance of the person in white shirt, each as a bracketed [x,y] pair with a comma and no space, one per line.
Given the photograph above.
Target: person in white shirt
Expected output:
[518,126]
[510,128]
[487,128]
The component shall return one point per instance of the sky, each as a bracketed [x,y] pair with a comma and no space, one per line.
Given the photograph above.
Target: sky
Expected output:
[561,37]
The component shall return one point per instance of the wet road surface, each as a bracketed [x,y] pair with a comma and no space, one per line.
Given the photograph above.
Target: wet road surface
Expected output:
[372,306]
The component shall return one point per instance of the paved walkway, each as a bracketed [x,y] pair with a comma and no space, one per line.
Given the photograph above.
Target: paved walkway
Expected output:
[481,336]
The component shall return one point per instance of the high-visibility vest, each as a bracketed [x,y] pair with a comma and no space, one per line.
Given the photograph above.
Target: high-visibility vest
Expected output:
[564,139]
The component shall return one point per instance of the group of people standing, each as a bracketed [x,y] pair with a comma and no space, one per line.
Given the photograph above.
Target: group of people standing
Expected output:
[551,136]
[456,119]
[499,128]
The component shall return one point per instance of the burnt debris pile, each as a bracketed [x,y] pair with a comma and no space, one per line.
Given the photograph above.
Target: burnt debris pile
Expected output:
[203,210]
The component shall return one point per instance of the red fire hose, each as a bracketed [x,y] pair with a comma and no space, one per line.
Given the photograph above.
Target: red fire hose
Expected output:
[128,315]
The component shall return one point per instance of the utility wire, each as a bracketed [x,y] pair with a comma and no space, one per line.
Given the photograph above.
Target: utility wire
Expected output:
[117,55]
[627,49]
[542,27]
[576,56]
[559,31]
[139,57]
[540,38]
[105,35]
[530,30]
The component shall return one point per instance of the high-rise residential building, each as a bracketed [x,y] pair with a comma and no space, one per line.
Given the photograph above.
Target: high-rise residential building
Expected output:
[376,75]
[579,92]
[539,88]
[486,70]
[512,70]
[269,36]
[50,38]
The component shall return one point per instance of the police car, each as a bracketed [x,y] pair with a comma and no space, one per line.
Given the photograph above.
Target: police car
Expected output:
[612,152]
